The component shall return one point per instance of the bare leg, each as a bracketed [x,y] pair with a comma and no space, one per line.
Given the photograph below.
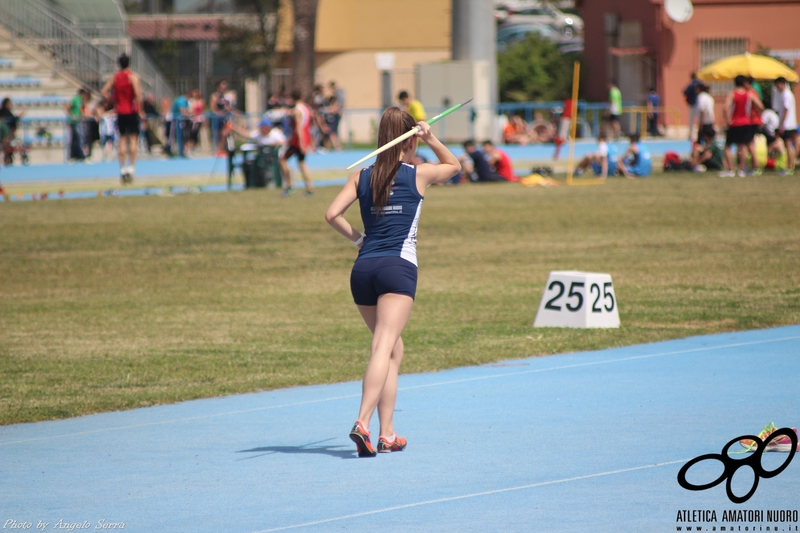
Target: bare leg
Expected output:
[791,151]
[741,153]
[306,176]
[337,145]
[287,174]
[388,397]
[379,388]
[728,161]
[621,167]
[134,148]
[122,151]
[753,155]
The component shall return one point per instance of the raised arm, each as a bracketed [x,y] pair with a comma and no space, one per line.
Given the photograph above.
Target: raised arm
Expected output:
[106,90]
[335,214]
[756,101]
[448,166]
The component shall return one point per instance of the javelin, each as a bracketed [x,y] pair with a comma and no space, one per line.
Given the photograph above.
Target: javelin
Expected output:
[408,134]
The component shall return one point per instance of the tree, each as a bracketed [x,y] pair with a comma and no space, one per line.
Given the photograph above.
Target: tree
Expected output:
[168,52]
[534,70]
[303,55]
[250,43]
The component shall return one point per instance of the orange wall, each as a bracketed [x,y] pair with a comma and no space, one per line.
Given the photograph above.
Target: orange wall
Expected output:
[380,25]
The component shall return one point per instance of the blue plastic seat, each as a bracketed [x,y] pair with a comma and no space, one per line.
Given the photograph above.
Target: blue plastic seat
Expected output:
[19,82]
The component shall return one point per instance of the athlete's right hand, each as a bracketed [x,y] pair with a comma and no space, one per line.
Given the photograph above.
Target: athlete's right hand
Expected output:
[424,131]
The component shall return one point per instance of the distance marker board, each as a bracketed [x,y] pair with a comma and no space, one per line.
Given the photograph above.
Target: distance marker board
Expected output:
[574,299]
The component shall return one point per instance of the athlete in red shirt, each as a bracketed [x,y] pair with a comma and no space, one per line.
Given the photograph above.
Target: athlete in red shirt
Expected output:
[299,145]
[500,161]
[125,90]
[737,110]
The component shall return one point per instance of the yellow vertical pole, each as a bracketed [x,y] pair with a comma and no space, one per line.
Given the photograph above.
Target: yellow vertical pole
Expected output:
[573,128]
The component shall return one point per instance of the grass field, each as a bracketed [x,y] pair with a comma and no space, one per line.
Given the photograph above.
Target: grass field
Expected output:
[117,303]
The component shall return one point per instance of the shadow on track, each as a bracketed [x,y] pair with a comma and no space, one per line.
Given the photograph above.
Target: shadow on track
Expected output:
[333,451]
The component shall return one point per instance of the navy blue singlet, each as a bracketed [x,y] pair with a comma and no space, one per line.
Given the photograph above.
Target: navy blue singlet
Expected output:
[394,232]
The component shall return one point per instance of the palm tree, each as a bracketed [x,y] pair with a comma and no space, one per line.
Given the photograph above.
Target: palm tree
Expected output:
[303,57]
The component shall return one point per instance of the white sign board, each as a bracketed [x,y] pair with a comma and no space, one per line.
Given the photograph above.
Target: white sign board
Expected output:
[384,61]
[578,300]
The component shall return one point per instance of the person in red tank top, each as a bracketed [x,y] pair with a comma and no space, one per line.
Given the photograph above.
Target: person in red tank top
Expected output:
[299,145]
[124,89]
[499,161]
[737,111]
[755,121]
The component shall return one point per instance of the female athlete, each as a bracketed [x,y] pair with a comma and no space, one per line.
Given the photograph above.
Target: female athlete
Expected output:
[384,277]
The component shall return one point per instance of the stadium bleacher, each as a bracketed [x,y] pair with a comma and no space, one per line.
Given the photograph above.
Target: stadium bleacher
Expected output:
[36,93]
[20,82]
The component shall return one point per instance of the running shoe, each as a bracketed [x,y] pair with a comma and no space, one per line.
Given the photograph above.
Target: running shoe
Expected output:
[727,174]
[740,174]
[288,192]
[781,444]
[392,444]
[360,435]
[309,193]
[786,172]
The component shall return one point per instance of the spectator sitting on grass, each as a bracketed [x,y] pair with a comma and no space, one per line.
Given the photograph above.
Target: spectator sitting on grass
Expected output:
[630,164]
[499,161]
[600,161]
[475,166]
[707,154]
[516,131]
[770,122]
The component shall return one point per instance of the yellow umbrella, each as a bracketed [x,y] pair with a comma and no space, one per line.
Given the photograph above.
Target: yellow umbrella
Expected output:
[759,67]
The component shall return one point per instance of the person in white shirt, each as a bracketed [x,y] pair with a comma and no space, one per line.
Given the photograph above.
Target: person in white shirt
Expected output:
[266,135]
[705,112]
[769,126]
[783,103]
[599,160]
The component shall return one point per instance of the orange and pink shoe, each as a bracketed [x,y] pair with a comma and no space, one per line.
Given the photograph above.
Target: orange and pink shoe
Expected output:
[781,443]
[391,444]
[360,435]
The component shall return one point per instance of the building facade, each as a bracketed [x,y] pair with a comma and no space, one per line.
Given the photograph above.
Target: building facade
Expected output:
[636,43]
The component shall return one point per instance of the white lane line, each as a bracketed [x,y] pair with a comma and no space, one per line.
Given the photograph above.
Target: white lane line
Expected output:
[607,361]
[473,495]
[227,413]
[437,384]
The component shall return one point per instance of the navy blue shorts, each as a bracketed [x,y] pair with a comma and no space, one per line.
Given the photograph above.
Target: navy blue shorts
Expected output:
[374,276]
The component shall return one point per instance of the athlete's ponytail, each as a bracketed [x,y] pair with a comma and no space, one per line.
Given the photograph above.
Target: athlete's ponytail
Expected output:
[394,123]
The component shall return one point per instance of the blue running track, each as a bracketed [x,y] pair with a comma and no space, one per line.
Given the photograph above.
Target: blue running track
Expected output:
[148,168]
[569,443]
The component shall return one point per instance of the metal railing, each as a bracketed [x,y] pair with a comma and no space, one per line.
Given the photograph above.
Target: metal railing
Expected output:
[114,40]
[89,59]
